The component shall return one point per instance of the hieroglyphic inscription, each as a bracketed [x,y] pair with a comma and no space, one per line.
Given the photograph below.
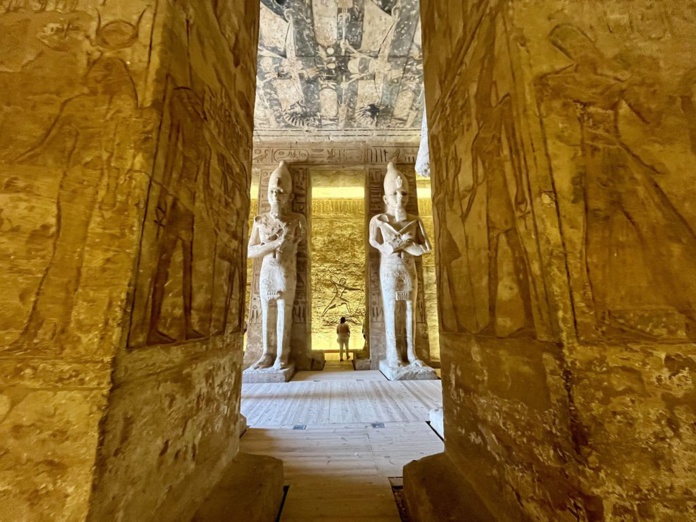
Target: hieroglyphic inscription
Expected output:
[190,272]
[272,154]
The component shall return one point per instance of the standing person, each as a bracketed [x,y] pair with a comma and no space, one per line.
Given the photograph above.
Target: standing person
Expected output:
[343,332]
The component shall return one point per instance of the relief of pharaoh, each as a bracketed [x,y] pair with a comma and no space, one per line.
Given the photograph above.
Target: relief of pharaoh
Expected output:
[274,237]
[399,237]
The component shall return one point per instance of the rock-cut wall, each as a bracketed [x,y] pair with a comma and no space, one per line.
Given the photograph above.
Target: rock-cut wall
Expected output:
[561,139]
[125,149]
[173,415]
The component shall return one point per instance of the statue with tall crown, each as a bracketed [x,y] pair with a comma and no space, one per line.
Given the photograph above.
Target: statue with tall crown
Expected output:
[274,237]
[400,238]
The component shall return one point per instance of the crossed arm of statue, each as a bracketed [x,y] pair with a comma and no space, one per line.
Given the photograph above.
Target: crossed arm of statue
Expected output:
[276,239]
[410,239]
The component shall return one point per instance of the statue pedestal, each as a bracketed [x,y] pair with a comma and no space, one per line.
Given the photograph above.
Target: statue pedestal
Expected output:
[268,375]
[361,364]
[407,373]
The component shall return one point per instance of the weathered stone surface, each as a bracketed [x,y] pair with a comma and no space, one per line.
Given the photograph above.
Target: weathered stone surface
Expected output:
[172,423]
[47,442]
[361,364]
[251,488]
[407,372]
[75,149]
[120,331]
[269,374]
[561,139]
[434,491]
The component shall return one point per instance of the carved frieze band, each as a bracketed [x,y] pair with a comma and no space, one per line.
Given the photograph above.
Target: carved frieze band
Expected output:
[347,155]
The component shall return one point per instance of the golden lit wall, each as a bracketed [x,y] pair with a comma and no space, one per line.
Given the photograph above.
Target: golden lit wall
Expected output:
[425,210]
[125,143]
[337,256]
[562,139]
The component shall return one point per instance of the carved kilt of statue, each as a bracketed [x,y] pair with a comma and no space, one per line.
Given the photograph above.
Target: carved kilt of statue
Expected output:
[278,277]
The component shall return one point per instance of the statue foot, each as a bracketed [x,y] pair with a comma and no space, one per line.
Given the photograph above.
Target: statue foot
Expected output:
[394,363]
[266,361]
[155,337]
[417,363]
[280,364]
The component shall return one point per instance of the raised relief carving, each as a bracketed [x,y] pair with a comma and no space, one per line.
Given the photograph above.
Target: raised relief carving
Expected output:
[187,157]
[632,228]
[190,276]
[496,140]
[88,131]
[485,189]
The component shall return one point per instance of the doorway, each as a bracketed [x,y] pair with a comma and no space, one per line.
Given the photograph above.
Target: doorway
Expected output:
[337,256]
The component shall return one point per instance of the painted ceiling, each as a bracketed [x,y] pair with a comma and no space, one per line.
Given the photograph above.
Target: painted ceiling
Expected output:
[339,69]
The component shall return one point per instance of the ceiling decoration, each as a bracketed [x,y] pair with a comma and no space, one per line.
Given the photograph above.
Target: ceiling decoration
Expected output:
[339,69]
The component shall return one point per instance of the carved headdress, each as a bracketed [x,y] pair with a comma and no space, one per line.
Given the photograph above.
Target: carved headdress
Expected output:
[281,178]
[394,180]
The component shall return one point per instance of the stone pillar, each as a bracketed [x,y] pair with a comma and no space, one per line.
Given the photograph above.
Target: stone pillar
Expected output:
[125,152]
[562,143]
[77,117]
[374,189]
[423,158]
[301,339]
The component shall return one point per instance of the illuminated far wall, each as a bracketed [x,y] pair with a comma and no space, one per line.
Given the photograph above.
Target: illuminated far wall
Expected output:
[254,208]
[337,255]
[425,210]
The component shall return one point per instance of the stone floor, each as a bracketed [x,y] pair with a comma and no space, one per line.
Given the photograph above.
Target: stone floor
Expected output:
[341,435]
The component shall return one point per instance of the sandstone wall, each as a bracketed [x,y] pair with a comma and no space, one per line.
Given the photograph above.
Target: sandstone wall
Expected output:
[105,109]
[171,426]
[76,126]
[425,211]
[561,140]
[338,255]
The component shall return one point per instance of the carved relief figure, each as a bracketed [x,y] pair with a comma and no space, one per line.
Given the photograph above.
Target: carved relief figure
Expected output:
[399,237]
[448,248]
[225,212]
[340,288]
[494,144]
[83,141]
[618,182]
[274,237]
[188,156]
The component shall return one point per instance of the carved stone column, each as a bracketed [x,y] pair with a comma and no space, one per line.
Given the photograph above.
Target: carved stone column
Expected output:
[374,191]
[301,339]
